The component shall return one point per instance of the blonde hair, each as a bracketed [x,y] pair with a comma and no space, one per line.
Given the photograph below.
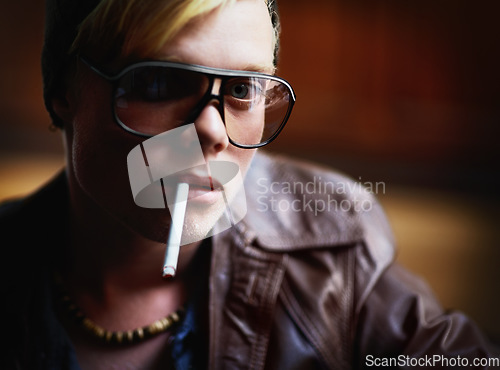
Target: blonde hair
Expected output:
[139,28]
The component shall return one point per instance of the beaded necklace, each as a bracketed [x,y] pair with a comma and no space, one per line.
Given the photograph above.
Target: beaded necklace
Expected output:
[115,337]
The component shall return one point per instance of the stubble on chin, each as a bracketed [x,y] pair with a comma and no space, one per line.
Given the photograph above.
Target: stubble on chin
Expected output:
[201,219]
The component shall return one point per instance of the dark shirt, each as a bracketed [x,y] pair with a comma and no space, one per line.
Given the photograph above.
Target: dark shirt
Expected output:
[38,339]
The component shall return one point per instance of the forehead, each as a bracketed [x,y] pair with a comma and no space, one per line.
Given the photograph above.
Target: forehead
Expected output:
[235,36]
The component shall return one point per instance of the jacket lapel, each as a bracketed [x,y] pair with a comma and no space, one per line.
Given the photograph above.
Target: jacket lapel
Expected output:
[243,294]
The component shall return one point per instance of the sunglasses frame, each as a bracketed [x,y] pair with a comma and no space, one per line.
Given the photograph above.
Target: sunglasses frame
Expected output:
[212,74]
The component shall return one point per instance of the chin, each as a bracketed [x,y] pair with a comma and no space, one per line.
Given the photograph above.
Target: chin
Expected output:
[200,220]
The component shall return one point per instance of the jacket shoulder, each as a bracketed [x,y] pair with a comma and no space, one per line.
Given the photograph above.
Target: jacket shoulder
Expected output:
[12,214]
[32,224]
[297,203]
[40,205]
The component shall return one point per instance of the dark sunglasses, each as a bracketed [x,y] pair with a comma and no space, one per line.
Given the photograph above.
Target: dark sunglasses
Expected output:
[152,97]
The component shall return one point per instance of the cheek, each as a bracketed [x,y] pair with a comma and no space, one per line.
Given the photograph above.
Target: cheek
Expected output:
[242,157]
[99,149]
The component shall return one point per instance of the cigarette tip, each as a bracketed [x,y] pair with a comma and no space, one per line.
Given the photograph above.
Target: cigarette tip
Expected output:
[168,271]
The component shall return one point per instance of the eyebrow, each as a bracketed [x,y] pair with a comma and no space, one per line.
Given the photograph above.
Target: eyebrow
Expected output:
[250,67]
[262,68]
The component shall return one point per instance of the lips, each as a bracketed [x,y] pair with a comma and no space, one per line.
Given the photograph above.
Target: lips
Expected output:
[203,182]
[202,189]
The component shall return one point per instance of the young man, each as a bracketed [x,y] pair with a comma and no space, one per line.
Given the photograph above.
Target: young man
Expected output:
[285,288]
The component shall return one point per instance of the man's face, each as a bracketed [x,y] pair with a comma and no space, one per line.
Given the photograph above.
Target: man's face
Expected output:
[237,37]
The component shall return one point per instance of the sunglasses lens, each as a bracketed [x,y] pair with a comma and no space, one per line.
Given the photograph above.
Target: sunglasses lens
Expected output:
[153,99]
[255,109]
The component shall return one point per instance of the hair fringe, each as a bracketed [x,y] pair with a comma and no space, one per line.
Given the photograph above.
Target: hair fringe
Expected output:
[122,28]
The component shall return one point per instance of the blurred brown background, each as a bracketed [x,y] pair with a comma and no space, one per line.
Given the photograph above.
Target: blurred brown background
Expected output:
[401,92]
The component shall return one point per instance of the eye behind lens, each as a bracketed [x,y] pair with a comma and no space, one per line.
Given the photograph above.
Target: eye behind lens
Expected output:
[240,91]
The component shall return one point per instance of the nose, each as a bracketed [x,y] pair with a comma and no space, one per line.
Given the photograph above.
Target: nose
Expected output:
[211,130]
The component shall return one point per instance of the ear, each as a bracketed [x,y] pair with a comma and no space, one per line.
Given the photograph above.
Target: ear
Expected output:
[64,106]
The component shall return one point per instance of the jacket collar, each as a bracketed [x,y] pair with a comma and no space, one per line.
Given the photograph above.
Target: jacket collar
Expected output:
[295,205]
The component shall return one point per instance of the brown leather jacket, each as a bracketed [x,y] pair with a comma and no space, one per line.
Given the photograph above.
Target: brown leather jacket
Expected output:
[305,281]
[307,286]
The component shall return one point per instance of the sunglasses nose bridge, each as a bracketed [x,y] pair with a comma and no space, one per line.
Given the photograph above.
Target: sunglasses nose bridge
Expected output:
[216,87]
[212,96]
[215,95]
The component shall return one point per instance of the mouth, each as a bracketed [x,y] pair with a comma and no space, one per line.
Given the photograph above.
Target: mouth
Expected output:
[202,189]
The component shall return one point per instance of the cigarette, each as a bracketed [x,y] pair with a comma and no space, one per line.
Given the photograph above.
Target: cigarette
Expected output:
[175,232]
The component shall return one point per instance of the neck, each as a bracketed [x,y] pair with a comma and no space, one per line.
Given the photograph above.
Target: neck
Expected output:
[112,269]
[103,246]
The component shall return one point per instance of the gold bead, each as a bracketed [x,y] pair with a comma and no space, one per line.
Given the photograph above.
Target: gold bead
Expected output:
[152,328]
[99,331]
[119,336]
[130,335]
[140,333]
[107,336]
[87,323]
